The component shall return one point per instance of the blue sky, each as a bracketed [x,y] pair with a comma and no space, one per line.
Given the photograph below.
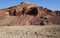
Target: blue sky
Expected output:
[50,4]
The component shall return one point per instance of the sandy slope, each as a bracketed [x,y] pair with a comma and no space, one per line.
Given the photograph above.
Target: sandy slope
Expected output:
[51,31]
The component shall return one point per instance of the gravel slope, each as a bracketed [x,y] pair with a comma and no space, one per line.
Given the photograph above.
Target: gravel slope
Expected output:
[50,31]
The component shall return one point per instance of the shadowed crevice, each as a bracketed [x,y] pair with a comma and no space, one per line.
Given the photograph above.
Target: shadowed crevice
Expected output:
[33,11]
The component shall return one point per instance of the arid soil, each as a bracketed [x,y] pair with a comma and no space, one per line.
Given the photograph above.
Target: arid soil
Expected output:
[50,31]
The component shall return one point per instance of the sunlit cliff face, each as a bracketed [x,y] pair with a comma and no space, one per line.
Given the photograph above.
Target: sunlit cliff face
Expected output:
[28,13]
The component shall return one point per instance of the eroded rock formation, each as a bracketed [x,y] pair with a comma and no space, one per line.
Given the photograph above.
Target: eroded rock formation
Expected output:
[28,14]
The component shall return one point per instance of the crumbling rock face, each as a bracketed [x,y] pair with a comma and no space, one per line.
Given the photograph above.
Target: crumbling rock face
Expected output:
[33,11]
[28,13]
[57,13]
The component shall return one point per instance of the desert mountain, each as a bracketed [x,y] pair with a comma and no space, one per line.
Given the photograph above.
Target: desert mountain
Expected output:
[27,13]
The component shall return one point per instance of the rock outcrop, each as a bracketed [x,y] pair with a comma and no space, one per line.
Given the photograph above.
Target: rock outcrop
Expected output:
[28,13]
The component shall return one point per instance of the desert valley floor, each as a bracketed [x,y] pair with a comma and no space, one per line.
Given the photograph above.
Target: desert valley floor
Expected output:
[50,31]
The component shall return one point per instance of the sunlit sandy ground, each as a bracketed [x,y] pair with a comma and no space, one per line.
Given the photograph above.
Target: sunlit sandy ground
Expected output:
[50,31]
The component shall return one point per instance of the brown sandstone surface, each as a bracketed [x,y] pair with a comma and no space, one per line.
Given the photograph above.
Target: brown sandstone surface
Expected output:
[28,14]
[19,22]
